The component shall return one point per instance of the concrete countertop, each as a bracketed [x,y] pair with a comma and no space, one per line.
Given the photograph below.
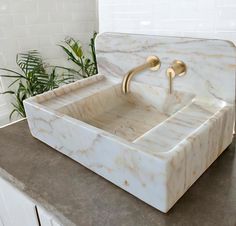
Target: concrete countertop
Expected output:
[77,196]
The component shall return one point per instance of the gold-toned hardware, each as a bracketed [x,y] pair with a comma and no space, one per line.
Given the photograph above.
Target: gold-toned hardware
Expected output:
[171,76]
[177,68]
[153,63]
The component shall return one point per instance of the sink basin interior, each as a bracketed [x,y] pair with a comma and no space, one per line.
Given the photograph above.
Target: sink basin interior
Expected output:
[127,116]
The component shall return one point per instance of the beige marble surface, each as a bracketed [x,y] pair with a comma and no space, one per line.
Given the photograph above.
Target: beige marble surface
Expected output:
[151,144]
[127,116]
[211,64]
[77,196]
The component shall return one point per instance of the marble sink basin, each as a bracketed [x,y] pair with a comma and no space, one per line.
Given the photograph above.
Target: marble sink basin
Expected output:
[149,143]
[127,116]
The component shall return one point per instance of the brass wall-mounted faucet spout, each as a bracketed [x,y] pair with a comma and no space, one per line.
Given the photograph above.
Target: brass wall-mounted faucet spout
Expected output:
[177,68]
[152,62]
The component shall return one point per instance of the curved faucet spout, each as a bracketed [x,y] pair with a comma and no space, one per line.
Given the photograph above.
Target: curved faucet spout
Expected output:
[153,63]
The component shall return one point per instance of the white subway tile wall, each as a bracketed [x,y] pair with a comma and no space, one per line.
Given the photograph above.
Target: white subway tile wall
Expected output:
[41,25]
[192,18]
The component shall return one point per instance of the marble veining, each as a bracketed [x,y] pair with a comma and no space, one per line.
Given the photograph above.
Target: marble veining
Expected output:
[127,116]
[211,64]
[149,143]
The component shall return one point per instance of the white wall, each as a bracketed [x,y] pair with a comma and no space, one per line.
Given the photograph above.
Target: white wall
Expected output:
[193,18]
[41,24]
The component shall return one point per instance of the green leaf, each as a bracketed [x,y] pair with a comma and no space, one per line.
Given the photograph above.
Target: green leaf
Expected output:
[36,76]
[8,92]
[14,72]
[11,114]
[14,82]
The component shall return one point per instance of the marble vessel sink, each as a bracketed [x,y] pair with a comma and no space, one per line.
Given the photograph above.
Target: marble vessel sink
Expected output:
[127,116]
[137,141]
[149,143]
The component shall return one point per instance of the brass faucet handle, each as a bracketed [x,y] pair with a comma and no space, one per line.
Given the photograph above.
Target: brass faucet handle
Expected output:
[171,74]
[154,63]
[179,67]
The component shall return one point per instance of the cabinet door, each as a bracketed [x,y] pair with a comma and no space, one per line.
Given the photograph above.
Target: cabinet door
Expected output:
[20,209]
[46,219]
[4,217]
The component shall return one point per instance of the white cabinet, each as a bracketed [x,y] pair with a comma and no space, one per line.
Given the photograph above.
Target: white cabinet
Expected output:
[16,209]
[46,219]
[20,210]
[4,218]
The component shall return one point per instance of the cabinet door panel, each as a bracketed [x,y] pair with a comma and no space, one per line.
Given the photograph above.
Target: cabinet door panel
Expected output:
[4,215]
[16,209]
[46,219]
[20,209]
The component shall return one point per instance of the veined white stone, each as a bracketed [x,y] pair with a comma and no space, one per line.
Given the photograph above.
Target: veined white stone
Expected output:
[151,144]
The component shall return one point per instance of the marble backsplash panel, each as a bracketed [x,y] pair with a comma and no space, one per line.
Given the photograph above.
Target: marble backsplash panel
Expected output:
[211,63]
